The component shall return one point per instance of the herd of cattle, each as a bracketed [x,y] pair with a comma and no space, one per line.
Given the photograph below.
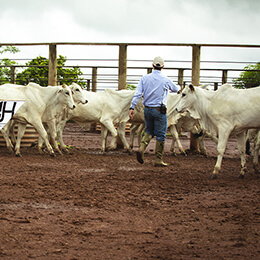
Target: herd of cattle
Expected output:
[219,114]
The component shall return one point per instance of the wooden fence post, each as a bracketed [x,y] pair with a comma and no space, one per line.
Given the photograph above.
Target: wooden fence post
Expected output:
[88,85]
[94,79]
[52,77]
[94,89]
[195,65]
[13,75]
[122,69]
[195,81]
[180,77]
[122,66]
[224,76]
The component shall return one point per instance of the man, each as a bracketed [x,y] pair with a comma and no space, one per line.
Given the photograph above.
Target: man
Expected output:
[154,88]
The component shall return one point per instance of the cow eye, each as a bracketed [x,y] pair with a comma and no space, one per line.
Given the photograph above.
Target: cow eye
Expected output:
[67,93]
[183,94]
[77,89]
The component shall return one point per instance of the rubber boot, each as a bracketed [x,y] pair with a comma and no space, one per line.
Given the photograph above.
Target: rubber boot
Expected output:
[144,143]
[159,148]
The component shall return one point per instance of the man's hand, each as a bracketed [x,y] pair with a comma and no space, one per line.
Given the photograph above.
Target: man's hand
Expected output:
[131,114]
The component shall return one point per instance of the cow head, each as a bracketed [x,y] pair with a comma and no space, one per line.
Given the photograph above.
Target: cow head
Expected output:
[187,99]
[78,94]
[66,96]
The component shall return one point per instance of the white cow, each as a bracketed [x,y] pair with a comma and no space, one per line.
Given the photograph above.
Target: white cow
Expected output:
[109,108]
[42,105]
[61,119]
[222,113]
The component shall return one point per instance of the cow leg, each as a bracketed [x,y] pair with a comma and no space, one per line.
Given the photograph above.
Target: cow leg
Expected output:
[121,133]
[175,137]
[41,141]
[139,133]
[5,133]
[20,134]
[110,127]
[250,134]
[221,147]
[133,129]
[200,137]
[53,135]
[203,150]
[242,150]
[60,129]
[40,144]
[104,133]
[42,132]
[11,130]
[256,152]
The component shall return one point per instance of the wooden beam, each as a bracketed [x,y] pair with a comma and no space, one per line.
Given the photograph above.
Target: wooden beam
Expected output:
[195,81]
[224,76]
[94,79]
[52,77]
[13,75]
[180,77]
[122,66]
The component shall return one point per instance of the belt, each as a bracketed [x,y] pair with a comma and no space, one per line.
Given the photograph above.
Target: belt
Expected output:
[152,107]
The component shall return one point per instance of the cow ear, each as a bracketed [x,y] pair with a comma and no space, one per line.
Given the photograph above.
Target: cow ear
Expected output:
[60,88]
[191,88]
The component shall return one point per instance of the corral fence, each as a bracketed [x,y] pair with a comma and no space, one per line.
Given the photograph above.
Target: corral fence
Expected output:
[122,72]
[123,76]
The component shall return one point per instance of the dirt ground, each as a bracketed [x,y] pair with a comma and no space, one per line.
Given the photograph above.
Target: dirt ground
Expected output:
[86,205]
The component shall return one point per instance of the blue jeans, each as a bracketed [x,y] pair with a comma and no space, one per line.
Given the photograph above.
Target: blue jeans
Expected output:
[155,123]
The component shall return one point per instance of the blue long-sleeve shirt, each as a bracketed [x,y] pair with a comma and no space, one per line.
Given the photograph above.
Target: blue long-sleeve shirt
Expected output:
[154,88]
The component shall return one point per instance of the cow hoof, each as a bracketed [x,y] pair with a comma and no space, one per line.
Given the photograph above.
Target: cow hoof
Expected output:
[10,150]
[130,152]
[18,155]
[204,154]
[256,168]
[53,155]
[241,176]
[213,176]
[65,150]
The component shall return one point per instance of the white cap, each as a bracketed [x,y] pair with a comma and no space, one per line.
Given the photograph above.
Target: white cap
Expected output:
[158,62]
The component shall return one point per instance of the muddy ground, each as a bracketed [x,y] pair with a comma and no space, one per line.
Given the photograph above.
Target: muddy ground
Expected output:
[86,205]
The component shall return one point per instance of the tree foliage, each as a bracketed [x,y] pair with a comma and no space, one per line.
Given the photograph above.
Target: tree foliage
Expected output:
[249,78]
[38,72]
[5,72]
[130,87]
